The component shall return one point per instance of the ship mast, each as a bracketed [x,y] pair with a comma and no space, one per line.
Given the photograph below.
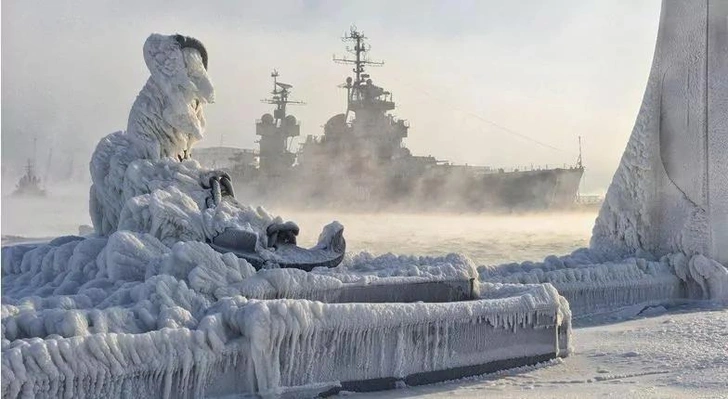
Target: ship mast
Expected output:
[280,97]
[277,131]
[360,61]
[578,160]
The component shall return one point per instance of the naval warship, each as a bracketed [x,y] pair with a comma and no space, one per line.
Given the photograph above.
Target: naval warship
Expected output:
[29,184]
[360,161]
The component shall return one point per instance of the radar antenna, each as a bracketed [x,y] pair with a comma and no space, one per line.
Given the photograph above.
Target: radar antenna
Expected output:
[359,51]
[280,96]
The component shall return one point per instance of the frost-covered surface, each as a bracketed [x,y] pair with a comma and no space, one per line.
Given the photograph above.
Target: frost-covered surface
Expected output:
[128,282]
[84,316]
[364,277]
[144,178]
[592,284]
[669,192]
[453,266]
[671,353]
[349,342]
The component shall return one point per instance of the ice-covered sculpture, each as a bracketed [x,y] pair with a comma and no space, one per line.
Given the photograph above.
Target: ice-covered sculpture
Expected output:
[154,152]
[144,179]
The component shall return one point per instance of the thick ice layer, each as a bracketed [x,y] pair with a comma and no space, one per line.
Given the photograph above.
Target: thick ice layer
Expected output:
[351,342]
[245,346]
[591,284]
[83,315]
[144,178]
[131,282]
[670,192]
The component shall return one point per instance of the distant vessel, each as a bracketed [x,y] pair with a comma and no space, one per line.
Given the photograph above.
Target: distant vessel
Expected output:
[29,184]
[361,162]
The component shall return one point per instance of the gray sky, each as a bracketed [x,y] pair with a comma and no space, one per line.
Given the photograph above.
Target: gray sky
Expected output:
[551,70]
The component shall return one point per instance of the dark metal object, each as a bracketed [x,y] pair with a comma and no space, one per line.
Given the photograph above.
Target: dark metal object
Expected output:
[430,377]
[220,186]
[191,42]
[281,238]
[282,244]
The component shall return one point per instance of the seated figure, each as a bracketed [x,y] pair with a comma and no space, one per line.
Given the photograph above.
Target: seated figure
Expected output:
[145,180]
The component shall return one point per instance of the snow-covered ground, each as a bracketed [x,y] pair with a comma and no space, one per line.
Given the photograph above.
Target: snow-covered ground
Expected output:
[677,353]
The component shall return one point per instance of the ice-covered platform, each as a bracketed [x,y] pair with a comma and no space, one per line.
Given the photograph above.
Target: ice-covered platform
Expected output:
[592,284]
[206,339]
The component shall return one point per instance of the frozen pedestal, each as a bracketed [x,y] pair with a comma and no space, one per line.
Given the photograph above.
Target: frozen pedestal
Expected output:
[363,347]
[277,346]
[670,192]
[129,317]
[596,287]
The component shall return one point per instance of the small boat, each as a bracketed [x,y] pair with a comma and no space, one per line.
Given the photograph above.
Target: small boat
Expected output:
[29,184]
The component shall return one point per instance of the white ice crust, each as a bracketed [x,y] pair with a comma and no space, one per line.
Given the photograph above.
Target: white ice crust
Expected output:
[146,308]
[670,192]
[144,178]
[100,311]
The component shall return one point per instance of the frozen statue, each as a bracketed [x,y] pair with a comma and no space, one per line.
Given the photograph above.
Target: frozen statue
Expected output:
[145,181]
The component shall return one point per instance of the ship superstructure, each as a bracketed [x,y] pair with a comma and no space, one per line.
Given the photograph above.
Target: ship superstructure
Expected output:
[360,161]
[277,132]
[29,184]
[366,136]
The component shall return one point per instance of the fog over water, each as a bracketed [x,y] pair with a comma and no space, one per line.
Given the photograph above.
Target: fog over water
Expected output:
[487,239]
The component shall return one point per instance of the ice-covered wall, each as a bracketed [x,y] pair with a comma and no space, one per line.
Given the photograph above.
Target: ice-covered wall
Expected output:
[594,284]
[126,315]
[266,346]
[670,192]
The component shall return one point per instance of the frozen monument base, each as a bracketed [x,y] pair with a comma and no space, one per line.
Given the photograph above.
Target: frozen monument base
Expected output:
[188,331]
[670,192]
[662,233]
[147,308]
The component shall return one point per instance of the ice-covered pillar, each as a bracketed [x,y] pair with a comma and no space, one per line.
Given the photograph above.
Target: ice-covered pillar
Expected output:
[670,192]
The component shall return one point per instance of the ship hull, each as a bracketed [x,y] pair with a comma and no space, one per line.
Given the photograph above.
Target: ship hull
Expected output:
[437,189]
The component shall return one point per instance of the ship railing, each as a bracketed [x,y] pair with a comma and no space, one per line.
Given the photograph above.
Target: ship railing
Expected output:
[589,199]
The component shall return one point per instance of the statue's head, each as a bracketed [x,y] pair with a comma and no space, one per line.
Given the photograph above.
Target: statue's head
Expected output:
[178,65]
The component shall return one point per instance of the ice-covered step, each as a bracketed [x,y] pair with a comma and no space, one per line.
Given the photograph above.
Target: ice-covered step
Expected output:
[371,346]
[330,289]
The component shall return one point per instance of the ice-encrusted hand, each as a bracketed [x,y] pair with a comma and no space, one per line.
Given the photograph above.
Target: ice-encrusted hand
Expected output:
[220,185]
